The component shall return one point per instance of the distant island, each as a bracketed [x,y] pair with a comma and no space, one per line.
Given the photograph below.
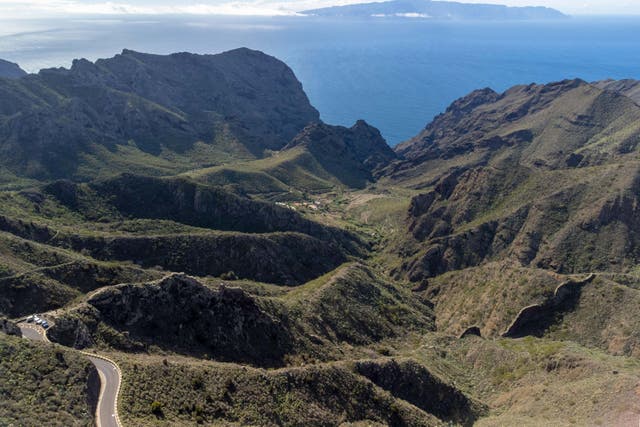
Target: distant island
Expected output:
[438,10]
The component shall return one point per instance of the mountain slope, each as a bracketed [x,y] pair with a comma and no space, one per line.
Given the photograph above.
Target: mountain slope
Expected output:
[64,383]
[159,114]
[584,118]
[546,175]
[516,215]
[353,155]
[186,202]
[319,158]
[178,313]
[9,70]
[438,10]
[630,88]
[404,393]
[169,223]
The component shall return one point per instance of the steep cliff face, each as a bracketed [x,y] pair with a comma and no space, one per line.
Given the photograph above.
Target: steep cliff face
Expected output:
[431,143]
[135,107]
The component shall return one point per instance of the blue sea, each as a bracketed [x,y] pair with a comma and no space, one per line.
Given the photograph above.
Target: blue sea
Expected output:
[397,74]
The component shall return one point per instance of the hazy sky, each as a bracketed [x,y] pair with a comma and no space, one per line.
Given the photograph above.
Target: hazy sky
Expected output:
[33,8]
[609,7]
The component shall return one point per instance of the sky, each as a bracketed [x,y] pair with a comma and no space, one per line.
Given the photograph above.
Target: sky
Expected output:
[606,7]
[42,8]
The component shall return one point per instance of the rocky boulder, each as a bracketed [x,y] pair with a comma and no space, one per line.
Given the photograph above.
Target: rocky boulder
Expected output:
[9,328]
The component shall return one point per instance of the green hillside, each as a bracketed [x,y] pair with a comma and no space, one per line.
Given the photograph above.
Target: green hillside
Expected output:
[246,264]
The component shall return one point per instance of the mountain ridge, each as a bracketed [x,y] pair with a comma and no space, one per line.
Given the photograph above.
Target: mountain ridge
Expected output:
[10,70]
[484,169]
[627,87]
[135,107]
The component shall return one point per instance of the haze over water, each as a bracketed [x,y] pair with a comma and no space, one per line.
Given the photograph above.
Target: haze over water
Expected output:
[396,74]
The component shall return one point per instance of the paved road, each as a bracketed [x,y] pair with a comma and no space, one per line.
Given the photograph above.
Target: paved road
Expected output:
[109,380]
[109,384]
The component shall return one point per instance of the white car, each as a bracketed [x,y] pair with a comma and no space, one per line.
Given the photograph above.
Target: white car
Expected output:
[38,320]
[30,319]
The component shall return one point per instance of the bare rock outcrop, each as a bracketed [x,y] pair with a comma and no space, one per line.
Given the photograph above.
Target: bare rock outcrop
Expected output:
[536,319]
[9,328]
[182,314]
[412,382]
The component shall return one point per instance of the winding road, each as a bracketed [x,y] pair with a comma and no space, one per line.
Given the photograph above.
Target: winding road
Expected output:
[110,378]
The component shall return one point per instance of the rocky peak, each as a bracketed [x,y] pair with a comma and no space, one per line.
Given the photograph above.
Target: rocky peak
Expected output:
[475,121]
[362,144]
[9,70]
[468,103]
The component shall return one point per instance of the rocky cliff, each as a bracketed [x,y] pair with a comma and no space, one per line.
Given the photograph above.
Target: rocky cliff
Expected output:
[9,70]
[352,155]
[543,174]
[133,107]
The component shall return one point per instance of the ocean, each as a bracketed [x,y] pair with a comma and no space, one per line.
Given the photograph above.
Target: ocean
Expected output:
[397,74]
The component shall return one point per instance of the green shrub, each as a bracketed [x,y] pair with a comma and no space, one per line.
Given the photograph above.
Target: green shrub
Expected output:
[230,275]
[156,409]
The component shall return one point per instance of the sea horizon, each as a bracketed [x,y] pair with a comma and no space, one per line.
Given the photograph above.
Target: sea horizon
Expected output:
[354,68]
